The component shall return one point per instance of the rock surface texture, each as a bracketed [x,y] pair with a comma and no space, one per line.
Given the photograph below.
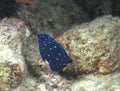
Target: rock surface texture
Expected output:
[13,35]
[94,45]
[52,17]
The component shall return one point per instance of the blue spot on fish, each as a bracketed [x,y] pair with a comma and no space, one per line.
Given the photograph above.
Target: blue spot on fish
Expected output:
[53,52]
[50,49]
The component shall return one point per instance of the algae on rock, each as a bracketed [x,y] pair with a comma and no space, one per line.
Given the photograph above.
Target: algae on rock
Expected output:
[13,35]
[94,45]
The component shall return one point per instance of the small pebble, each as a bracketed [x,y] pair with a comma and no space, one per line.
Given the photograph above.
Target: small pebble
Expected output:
[61,83]
[117,89]
[42,87]
[55,90]
[67,90]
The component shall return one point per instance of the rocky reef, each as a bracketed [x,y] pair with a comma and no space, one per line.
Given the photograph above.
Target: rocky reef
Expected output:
[94,45]
[12,63]
[54,17]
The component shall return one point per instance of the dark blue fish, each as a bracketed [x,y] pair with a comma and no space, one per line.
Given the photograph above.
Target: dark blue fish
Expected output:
[53,52]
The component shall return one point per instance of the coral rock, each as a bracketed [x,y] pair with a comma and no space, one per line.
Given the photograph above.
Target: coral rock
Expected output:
[94,45]
[13,34]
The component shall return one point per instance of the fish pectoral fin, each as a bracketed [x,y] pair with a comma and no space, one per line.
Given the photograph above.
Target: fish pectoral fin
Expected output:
[65,68]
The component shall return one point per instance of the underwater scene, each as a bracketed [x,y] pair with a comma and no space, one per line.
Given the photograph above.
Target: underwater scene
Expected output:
[59,45]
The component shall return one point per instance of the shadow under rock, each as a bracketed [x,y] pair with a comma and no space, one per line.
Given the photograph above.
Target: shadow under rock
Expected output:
[8,8]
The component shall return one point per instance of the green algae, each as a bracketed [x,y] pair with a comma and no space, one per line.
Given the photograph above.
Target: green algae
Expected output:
[4,73]
[10,75]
